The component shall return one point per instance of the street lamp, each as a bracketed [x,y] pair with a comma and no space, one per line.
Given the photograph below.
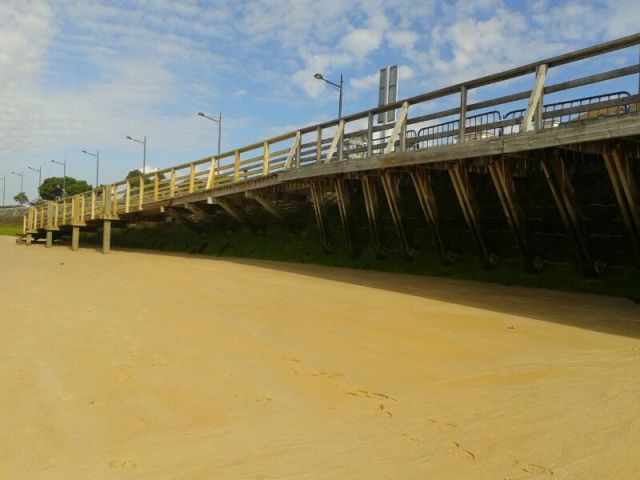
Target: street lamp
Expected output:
[144,151]
[97,155]
[21,175]
[39,170]
[335,85]
[219,122]
[64,174]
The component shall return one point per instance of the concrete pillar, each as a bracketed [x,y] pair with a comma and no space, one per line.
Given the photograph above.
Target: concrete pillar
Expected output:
[75,238]
[49,243]
[29,239]
[106,236]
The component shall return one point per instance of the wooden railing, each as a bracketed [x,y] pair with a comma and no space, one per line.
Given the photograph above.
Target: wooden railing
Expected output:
[351,137]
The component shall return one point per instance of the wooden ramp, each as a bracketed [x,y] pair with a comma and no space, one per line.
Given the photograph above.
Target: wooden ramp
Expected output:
[356,154]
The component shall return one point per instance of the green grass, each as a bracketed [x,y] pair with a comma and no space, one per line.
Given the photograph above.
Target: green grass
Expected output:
[304,247]
[10,229]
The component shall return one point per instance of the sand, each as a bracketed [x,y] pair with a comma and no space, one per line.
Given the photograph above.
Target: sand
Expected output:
[152,366]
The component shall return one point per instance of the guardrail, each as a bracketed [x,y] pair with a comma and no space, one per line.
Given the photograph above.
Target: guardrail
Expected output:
[356,136]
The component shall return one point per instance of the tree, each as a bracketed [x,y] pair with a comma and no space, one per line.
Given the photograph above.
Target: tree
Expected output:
[136,173]
[21,198]
[73,186]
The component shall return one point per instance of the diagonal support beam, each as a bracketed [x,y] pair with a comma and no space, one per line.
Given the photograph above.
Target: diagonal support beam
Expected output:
[427,199]
[389,180]
[178,215]
[626,192]
[372,207]
[460,179]
[234,212]
[337,140]
[502,177]
[341,187]
[267,204]
[397,128]
[315,186]
[201,214]
[562,190]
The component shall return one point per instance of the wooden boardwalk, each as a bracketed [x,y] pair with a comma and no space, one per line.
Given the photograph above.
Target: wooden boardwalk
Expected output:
[328,158]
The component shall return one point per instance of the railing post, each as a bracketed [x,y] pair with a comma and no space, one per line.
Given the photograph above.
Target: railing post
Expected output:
[127,196]
[370,118]
[156,186]
[82,199]
[265,159]
[535,101]
[141,196]
[211,178]
[172,183]
[192,177]
[319,145]
[463,114]
[93,204]
[236,172]
[400,124]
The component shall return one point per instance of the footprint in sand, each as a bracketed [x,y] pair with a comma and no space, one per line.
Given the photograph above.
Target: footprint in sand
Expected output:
[534,469]
[461,452]
[128,464]
[97,403]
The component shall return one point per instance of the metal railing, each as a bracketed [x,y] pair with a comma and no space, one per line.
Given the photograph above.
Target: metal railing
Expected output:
[355,137]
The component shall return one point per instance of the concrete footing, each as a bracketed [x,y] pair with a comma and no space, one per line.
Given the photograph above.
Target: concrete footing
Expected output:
[106,236]
[75,238]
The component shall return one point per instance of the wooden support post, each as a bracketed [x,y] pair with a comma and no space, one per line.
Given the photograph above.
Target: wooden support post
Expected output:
[266,204]
[28,239]
[626,192]
[106,236]
[562,190]
[49,240]
[236,170]
[464,192]
[427,199]
[75,238]
[389,180]
[318,207]
[93,204]
[372,208]
[341,188]
[500,171]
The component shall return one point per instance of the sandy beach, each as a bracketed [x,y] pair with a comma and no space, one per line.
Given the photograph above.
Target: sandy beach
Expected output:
[152,366]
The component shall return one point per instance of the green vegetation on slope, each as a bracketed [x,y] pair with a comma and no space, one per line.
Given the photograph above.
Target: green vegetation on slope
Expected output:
[304,247]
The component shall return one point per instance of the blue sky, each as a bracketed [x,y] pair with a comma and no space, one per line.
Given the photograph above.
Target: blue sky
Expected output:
[83,74]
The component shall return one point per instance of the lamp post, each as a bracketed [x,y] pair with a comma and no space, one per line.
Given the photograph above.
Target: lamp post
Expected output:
[4,187]
[64,174]
[218,121]
[39,170]
[339,87]
[144,151]
[97,156]
[21,175]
